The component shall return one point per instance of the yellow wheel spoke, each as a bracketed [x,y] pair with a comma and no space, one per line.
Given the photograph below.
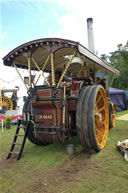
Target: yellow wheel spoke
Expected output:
[101,109]
[97,130]
[103,123]
[100,97]
[7,102]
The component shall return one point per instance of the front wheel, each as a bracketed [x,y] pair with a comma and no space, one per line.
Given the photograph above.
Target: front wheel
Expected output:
[92,118]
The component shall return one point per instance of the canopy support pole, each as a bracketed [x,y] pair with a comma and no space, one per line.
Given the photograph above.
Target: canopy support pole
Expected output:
[52,70]
[64,107]
[43,68]
[29,68]
[40,71]
[106,80]
[20,76]
[66,69]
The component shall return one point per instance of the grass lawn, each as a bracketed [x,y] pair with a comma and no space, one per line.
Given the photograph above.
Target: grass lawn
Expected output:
[49,169]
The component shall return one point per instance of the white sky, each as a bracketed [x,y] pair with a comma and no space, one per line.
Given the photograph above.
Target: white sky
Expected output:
[110,22]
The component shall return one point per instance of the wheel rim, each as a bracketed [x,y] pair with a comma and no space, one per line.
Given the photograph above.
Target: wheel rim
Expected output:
[113,115]
[101,118]
[7,103]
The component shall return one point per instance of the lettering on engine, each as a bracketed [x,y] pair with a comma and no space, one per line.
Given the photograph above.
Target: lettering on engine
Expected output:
[45,117]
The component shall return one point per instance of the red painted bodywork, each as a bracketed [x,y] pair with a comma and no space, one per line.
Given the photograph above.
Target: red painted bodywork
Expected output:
[47,118]
[48,115]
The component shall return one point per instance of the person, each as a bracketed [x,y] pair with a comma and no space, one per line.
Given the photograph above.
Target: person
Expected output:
[14,100]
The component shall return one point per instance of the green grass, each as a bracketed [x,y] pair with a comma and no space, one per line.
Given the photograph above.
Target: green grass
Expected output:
[49,169]
[110,174]
[118,114]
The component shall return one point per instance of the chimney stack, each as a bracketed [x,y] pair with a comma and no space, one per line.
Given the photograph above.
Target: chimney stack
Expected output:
[90,35]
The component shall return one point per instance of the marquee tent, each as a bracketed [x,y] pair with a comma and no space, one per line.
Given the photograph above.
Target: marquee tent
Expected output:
[118,97]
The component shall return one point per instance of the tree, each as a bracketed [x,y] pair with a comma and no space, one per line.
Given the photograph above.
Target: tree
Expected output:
[119,60]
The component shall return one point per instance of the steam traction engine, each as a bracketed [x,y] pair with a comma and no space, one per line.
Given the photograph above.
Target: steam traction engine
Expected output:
[73,100]
[9,103]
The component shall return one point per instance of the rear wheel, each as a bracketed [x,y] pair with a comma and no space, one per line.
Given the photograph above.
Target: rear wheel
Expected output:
[30,134]
[92,118]
[32,138]
[112,116]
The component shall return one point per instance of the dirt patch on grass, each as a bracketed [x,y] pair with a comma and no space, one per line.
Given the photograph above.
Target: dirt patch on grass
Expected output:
[6,164]
[55,180]
[123,117]
[52,180]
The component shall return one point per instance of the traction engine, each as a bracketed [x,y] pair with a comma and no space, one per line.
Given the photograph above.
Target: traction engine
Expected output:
[72,100]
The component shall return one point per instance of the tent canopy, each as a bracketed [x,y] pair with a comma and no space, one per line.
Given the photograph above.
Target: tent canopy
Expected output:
[118,97]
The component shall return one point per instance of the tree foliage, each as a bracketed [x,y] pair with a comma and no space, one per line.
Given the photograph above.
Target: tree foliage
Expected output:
[119,60]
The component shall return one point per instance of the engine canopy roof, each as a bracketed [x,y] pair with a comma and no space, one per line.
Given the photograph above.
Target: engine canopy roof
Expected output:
[62,50]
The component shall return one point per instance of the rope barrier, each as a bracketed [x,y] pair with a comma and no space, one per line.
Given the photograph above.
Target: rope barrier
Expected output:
[10,80]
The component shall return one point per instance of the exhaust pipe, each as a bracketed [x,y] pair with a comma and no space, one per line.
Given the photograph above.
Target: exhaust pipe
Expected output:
[90,35]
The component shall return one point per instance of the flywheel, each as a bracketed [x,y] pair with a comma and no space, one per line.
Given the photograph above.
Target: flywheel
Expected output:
[7,103]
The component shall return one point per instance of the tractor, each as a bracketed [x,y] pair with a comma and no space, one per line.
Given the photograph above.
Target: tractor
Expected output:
[9,103]
[72,99]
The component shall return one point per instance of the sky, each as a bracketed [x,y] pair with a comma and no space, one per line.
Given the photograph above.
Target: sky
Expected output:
[25,20]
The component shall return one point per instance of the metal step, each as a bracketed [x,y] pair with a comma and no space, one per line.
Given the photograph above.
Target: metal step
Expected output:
[14,152]
[19,134]
[17,143]
[20,127]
